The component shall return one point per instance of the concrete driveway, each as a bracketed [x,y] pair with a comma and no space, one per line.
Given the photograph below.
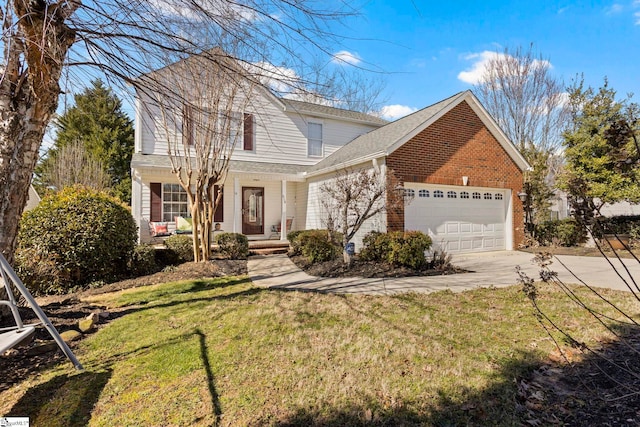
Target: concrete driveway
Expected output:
[485,269]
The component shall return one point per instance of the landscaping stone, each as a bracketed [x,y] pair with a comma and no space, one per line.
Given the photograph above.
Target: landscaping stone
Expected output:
[70,335]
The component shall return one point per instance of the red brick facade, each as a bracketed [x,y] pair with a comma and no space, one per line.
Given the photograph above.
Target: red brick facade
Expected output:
[456,145]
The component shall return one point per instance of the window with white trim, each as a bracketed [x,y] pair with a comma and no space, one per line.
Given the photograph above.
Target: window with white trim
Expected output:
[487,196]
[438,193]
[452,195]
[464,195]
[314,139]
[498,196]
[423,193]
[409,193]
[174,202]
[476,195]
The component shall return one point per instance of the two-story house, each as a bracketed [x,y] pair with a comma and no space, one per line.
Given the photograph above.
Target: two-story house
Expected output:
[463,172]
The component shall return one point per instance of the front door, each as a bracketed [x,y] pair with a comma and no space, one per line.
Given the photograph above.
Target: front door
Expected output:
[252,210]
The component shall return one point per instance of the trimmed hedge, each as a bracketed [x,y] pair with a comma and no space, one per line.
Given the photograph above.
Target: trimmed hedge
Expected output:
[143,261]
[233,245]
[562,232]
[73,238]
[401,248]
[181,246]
[315,245]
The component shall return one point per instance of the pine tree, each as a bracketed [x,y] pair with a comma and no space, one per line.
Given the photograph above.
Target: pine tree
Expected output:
[97,122]
[601,146]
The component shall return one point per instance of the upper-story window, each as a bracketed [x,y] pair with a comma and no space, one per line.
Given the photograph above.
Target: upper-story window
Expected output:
[249,132]
[314,137]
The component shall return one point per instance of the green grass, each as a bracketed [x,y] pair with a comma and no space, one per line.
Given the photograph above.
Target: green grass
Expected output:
[221,351]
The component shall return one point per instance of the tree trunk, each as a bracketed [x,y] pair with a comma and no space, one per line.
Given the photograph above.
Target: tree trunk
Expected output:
[34,56]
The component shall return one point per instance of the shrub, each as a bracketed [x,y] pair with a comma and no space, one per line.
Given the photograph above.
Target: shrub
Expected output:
[294,244]
[375,246]
[408,248]
[233,245]
[298,240]
[143,261]
[562,232]
[75,237]
[317,248]
[181,246]
[402,248]
[317,245]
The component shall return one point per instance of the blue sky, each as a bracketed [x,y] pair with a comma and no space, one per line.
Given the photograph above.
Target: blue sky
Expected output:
[424,46]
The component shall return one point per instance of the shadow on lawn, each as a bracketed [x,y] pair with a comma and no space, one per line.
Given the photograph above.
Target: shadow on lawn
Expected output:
[79,393]
[601,389]
[495,405]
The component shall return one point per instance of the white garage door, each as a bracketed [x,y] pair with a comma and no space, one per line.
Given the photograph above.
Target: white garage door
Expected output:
[459,219]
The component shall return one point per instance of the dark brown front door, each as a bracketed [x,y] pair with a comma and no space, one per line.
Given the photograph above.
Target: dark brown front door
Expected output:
[252,210]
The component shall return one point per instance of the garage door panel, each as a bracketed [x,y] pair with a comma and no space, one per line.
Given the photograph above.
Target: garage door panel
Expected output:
[459,224]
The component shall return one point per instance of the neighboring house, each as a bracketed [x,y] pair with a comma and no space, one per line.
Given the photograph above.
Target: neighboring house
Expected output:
[463,171]
[561,209]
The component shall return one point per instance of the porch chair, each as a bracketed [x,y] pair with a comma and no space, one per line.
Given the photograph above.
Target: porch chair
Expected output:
[277,228]
[157,230]
[12,336]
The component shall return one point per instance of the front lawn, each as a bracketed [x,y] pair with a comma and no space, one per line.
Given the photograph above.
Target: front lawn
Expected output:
[197,353]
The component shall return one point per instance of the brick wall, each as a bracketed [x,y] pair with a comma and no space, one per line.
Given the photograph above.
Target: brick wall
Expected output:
[457,145]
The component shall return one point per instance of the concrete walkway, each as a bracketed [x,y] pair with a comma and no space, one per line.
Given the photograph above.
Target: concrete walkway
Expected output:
[485,269]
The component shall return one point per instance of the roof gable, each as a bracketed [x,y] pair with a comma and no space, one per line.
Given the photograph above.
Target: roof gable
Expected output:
[385,140]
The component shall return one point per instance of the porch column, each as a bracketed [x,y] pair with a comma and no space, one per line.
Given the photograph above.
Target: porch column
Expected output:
[237,206]
[283,211]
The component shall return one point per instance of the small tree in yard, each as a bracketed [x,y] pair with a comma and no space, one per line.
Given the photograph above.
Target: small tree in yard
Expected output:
[203,125]
[353,197]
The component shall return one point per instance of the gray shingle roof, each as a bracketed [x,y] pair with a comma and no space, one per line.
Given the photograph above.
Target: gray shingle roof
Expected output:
[377,142]
[325,111]
[140,160]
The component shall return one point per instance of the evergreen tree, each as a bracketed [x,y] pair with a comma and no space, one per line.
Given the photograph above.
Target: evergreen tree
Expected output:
[97,122]
[601,146]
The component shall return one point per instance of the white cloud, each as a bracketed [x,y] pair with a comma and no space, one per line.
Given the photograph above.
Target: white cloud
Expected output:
[396,111]
[345,57]
[637,18]
[614,8]
[221,9]
[476,73]
[280,79]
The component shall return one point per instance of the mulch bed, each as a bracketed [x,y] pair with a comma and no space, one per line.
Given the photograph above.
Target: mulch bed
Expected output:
[368,269]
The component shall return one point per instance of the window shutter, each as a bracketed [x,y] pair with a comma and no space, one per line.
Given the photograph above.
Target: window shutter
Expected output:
[249,135]
[187,125]
[219,215]
[156,201]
